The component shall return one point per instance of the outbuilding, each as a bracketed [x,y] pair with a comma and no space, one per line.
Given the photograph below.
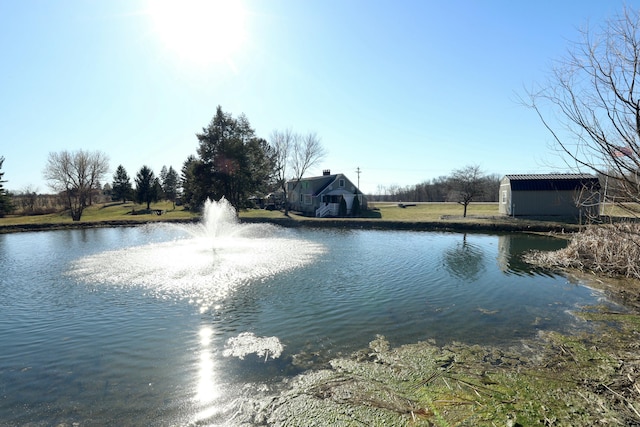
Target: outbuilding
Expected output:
[566,195]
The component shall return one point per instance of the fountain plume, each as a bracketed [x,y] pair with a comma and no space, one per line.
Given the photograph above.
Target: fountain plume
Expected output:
[186,267]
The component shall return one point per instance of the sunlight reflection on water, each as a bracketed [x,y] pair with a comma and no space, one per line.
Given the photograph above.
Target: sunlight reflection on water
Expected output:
[193,268]
[204,268]
[207,389]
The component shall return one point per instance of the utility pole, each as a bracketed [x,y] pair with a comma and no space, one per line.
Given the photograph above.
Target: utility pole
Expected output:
[358,171]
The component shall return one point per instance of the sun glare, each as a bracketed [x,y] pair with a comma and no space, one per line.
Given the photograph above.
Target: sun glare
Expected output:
[199,31]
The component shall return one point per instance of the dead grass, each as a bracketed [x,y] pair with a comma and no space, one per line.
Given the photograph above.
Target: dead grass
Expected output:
[610,250]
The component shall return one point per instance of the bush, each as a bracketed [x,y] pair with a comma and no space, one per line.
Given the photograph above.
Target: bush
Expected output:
[355,209]
[342,209]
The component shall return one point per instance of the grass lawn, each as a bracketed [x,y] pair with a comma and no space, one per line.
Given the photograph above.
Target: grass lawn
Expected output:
[115,211]
[421,212]
[446,214]
[434,211]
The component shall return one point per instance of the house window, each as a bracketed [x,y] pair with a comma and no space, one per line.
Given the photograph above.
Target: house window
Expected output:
[307,199]
[341,183]
[504,196]
[301,198]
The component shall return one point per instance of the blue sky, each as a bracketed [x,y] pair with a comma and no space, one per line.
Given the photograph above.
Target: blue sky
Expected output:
[405,90]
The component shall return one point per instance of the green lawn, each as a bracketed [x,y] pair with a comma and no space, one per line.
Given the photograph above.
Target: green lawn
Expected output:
[422,212]
[434,211]
[118,211]
[115,211]
[446,213]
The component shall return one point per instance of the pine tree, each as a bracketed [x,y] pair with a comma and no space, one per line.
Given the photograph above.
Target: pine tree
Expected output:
[121,185]
[233,162]
[5,201]
[170,183]
[355,208]
[146,186]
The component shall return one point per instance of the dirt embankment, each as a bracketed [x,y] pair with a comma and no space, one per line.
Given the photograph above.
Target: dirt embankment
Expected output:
[470,224]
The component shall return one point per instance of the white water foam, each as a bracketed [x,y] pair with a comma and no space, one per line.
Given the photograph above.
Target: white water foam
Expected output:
[248,343]
[220,255]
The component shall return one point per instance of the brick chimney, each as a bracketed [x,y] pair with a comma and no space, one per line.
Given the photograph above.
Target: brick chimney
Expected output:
[326,172]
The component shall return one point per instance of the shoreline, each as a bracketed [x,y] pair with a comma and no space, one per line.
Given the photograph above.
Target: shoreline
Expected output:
[471,224]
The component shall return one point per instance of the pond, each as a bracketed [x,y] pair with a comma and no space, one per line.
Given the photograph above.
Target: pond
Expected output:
[166,324]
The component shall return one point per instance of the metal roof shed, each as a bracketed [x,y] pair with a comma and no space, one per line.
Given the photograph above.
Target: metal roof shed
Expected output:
[573,195]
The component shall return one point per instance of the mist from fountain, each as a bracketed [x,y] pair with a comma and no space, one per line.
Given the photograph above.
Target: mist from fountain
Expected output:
[205,264]
[219,219]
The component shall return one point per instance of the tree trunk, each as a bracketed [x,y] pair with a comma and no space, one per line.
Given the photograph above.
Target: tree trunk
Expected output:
[76,214]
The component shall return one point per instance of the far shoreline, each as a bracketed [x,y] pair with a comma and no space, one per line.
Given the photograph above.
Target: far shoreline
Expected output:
[468,224]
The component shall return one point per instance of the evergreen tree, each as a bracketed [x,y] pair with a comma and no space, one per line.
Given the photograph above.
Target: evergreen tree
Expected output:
[355,208]
[192,194]
[170,182]
[233,162]
[121,186]
[5,201]
[146,186]
[158,192]
[342,208]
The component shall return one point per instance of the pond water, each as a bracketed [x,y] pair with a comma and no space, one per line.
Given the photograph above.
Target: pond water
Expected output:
[173,325]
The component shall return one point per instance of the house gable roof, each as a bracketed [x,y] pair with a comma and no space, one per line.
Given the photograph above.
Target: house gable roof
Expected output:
[325,181]
[330,180]
[552,182]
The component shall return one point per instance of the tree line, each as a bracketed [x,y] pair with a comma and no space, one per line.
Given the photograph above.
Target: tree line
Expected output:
[440,189]
[231,162]
[463,186]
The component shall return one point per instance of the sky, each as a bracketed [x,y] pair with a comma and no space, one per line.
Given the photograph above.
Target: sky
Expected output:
[404,91]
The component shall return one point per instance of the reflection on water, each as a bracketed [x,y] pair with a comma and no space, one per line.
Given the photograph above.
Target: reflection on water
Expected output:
[511,247]
[207,389]
[131,325]
[464,259]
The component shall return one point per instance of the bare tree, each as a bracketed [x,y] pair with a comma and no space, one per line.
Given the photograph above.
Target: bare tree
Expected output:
[299,152]
[282,143]
[466,184]
[595,94]
[28,199]
[75,175]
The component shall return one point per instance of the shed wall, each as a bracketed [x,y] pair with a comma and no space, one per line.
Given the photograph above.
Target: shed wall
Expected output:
[560,203]
[504,198]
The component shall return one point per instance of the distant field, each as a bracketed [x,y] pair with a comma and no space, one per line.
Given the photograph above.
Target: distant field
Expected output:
[623,210]
[392,212]
[433,211]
